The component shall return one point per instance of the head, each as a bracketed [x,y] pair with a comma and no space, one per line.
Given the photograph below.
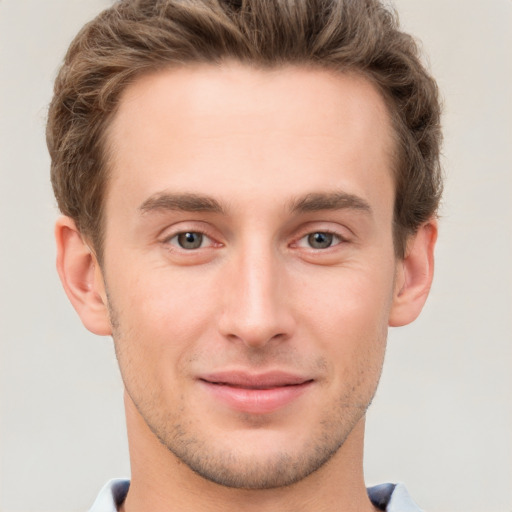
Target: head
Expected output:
[249,191]
[134,38]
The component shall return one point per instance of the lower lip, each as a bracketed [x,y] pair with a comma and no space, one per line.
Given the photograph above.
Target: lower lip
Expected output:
[256,401]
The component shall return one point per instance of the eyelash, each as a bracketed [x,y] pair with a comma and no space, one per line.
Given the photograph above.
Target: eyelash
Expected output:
[332,238]
[335,240]
[175,237]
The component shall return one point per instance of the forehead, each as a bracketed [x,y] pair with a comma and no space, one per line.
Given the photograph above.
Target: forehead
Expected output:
[261,131]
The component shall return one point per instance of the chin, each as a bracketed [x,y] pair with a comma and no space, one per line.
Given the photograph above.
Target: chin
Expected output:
[258,457]
[250,472]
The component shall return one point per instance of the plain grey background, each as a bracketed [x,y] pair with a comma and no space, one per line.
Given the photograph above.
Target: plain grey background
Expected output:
[441,421]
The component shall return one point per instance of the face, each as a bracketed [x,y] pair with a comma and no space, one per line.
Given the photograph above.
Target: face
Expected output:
[249,263]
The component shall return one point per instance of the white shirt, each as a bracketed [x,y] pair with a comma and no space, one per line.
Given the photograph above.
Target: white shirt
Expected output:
[389,497]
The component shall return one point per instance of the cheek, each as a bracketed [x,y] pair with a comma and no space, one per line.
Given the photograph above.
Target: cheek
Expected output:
[162,299]
[161,318]
[354,300]
[350,320]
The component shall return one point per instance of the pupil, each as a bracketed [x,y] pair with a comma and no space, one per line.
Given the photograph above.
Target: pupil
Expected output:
[320,240]
[190,240]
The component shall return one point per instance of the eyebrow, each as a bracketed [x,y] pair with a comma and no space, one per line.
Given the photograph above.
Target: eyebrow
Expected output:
[312,202]
[329,201]
[181,202]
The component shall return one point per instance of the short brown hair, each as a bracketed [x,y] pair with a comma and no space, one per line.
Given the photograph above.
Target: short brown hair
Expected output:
[134,37]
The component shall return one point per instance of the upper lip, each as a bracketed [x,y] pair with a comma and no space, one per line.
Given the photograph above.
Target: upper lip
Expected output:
[241,379]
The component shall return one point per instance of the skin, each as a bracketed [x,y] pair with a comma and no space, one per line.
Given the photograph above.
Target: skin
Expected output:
[284,179]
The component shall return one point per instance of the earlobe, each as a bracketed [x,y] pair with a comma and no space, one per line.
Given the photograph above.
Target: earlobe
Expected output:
[414,276]
[81,277]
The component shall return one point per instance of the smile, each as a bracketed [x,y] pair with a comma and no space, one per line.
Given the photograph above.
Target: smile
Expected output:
[255,394]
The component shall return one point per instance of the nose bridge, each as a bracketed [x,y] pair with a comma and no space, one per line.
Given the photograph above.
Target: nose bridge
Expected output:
[255,309]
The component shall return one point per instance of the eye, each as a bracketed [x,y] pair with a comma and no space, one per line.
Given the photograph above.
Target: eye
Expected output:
[190,240]
[319,240]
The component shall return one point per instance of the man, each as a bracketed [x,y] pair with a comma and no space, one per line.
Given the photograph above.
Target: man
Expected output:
[249,193]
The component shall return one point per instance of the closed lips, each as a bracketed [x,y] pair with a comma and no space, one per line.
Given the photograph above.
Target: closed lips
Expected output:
[247,381]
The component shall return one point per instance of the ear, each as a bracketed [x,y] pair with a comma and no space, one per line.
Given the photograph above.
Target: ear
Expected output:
[81,277]
[414,275]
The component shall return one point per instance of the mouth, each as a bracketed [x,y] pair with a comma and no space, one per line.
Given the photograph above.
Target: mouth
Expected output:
[255,394]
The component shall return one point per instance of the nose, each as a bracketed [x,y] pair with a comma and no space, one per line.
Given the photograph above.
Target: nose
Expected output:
[256,309]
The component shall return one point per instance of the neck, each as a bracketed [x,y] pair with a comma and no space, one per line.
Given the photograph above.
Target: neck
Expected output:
[160,481]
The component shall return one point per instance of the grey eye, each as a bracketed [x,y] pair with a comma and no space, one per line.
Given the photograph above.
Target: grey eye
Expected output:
[320,240]
[190,240]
